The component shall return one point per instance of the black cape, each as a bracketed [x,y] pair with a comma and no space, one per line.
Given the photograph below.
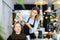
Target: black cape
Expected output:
[14,36]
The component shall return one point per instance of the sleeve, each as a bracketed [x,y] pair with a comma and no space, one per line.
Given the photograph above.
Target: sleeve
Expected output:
[25,14]
[25,17]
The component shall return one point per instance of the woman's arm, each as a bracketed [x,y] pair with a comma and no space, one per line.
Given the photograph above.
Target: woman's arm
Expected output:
[24,21]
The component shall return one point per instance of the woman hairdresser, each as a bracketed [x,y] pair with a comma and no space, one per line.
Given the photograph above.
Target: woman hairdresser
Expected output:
[31,22]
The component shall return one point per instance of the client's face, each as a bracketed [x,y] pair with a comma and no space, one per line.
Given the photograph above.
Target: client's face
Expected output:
[17,28]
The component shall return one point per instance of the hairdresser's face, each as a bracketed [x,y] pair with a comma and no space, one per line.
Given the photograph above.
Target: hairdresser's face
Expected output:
[17,28]
[34,13]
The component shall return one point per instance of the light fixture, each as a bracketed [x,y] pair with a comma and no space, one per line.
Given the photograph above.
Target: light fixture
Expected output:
[52,20]
[44,13]
[46,17]
[49,9]
[51,17]
[56,2]
[40,3]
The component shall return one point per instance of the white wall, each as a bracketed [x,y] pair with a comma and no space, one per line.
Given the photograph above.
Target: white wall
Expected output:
[0,11]
[6,7]
[7,13]
[10,3]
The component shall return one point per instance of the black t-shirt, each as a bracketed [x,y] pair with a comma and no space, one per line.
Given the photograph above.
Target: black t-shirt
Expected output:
[14,36]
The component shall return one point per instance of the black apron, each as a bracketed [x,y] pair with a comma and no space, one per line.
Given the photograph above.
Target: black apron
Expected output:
[26,30]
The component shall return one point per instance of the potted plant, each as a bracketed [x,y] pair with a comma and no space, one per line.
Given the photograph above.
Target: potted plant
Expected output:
[1,38]
[22,3]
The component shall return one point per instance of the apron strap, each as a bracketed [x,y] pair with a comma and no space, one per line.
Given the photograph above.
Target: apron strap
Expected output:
[29,19]
[34,22]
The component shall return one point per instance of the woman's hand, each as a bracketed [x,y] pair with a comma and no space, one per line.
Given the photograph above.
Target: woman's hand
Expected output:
[28,25]
[15,20]
[19,15]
